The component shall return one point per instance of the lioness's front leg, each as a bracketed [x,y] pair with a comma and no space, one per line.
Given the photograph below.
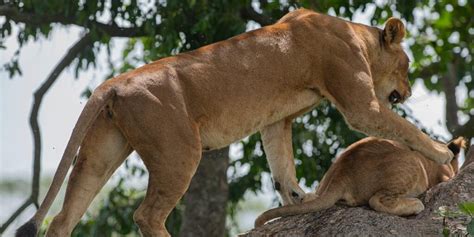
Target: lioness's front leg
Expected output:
[279,150]
[366,114]
[389,125]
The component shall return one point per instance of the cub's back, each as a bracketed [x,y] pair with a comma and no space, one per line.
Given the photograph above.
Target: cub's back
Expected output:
[373,164]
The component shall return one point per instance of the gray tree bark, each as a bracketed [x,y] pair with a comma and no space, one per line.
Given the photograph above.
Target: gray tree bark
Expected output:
[362,221]
[206,199]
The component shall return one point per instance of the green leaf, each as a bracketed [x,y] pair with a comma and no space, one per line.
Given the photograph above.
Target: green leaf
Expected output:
[470,227]
[446,232]
[467,208]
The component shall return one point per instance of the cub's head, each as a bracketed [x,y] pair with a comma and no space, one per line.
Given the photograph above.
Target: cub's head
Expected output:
[455,146]
[390,66]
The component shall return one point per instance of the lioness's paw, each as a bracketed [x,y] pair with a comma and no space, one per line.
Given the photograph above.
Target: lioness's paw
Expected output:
[442,155]
[290,192]
[297,196]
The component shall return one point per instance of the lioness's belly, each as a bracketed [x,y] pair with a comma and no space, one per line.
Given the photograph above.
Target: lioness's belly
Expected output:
[236,123]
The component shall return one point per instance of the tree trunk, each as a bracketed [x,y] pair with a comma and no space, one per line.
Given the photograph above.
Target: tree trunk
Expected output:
[469,157]
[206,199]
[449,83]
[362,221]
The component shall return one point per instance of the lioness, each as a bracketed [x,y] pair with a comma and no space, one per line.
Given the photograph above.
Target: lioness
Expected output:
[171,110]
[385,174]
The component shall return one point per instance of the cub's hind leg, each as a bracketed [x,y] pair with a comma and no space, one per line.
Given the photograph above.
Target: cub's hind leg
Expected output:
[396,204]
[102,151]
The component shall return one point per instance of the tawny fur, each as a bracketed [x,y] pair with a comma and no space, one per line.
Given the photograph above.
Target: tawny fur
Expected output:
[385,174]
[171,110]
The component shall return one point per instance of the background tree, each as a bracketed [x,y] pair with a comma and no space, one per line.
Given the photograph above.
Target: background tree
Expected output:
[440,40]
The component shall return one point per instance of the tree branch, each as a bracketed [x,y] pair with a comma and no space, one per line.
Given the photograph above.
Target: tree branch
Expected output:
[16,15]
[5,225]
[39,94]
[428,71]
[466,130]
[469,157]
[249,13]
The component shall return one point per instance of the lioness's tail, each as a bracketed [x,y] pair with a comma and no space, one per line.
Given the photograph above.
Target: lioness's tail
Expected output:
[90,112]
[321,202]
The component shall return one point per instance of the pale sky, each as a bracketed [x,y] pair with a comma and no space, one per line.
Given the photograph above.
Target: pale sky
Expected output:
[60,108]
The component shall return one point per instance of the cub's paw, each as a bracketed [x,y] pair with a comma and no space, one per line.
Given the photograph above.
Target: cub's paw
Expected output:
[417,207]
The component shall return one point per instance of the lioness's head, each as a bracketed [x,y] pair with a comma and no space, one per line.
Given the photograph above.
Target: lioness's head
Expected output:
[390,68]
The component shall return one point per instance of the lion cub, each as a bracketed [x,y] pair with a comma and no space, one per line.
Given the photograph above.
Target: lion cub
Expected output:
[383,173]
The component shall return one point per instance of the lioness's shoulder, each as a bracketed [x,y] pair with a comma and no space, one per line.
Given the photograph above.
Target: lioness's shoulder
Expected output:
[296,14]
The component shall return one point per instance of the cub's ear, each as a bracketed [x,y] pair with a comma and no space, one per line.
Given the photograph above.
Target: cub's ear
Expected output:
[456,145]
[394,31]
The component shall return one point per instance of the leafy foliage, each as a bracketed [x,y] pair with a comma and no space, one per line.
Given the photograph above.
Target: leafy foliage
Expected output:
[115,211]
[465,209]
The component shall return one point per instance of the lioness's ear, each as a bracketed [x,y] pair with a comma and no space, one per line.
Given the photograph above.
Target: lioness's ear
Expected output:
[394,31]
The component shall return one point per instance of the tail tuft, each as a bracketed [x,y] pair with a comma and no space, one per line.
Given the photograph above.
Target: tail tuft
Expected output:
[29,229]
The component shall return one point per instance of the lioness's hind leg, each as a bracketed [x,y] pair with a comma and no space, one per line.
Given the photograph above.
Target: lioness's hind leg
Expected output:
[102,151]
[171,151]
[170,173]
[395,204]
[167,139]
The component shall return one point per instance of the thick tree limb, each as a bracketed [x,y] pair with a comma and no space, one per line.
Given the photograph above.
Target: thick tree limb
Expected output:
[14,14]
[362,221]
[39,94]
